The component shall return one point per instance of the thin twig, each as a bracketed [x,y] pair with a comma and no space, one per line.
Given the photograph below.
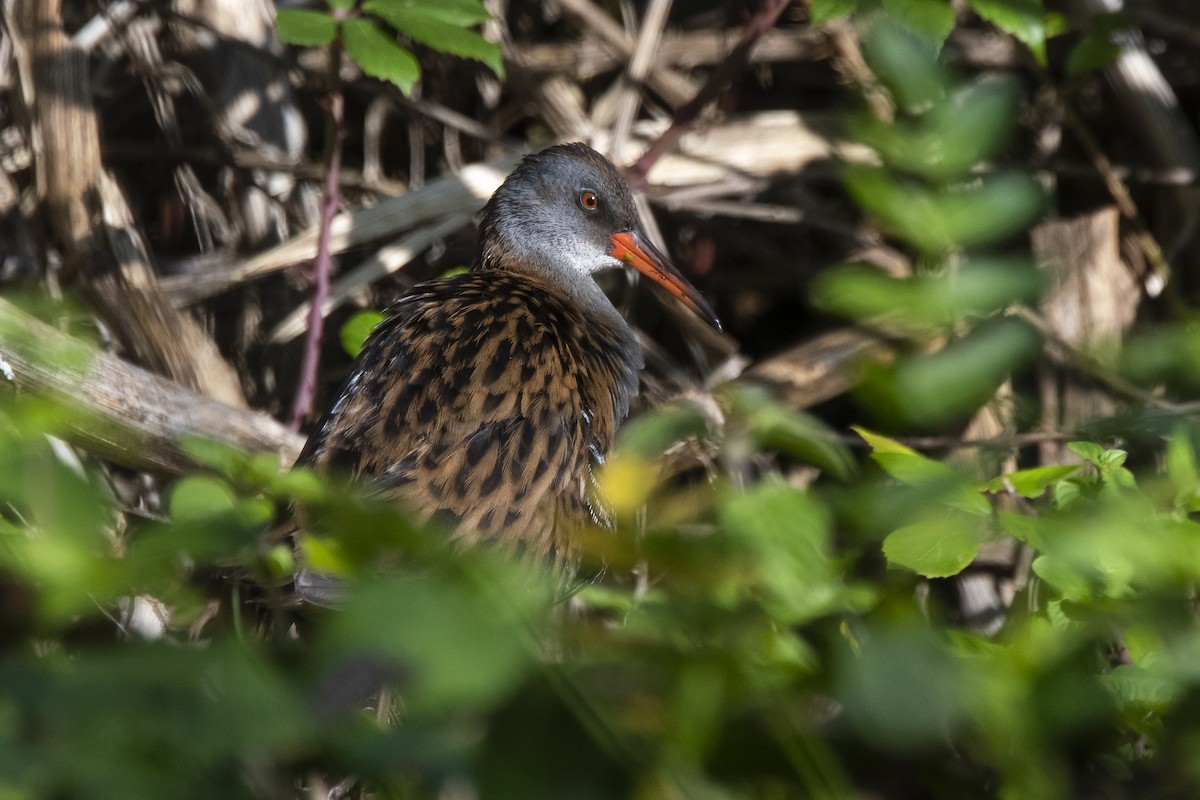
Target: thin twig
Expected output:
[688,113]
[648,39]
[323,262]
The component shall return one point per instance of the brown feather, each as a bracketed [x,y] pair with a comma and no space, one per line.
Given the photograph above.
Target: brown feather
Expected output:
[486,397]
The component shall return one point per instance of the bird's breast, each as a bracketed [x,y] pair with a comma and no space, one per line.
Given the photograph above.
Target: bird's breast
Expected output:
[488,398]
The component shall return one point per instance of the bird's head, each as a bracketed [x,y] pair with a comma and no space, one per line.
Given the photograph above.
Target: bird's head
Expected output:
[566,213]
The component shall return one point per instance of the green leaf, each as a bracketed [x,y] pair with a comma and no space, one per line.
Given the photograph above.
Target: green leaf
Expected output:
[936,547]
[882,444]
[463,13]
[305,28]
[932,20]
[822,11]
[1133,685]
[1181,466]
[438,34]
[455,643]
[976,287]
[378,54]
[960,130]
[912,468]
[1088,451]
[929,390]
[200,497]
[355,331]
[906,63]
[1169,352]
[1101,47]
[1031,483]
[790,535]
[1024,19]
[213,455]
[902,690]
[649,435]
[1093,52]
[775,426]
[1021,527]
[939,220]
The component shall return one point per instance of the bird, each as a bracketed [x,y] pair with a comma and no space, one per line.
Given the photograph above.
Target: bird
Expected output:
[489,400]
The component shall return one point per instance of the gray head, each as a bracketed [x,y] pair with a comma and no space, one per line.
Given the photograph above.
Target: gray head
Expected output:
[566,213]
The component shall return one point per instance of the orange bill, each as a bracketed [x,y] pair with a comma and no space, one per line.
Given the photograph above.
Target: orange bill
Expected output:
[634,249]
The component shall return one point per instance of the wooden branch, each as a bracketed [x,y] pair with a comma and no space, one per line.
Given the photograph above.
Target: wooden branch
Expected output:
[120,412]
[821,368]
[89,216]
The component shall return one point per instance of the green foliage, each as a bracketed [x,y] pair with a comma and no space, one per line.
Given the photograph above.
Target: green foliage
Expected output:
[1024,19]
[931,21]
[978,287]
[1097,49]
[369,30]
[928,194]
[354,331]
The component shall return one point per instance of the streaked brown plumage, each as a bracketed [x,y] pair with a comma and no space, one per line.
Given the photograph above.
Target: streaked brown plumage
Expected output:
[490,397]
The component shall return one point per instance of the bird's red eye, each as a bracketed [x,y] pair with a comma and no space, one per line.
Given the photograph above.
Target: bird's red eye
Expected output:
[589,201]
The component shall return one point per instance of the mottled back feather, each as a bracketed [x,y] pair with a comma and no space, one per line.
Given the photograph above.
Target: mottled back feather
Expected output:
[488,397]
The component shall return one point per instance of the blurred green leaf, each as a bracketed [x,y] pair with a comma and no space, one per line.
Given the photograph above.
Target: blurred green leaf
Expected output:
[775,426]
[305,28]
[453,643]
[928,390]
[1031,483]
[977,287]
[378,54]
[884,444]
[649,435]
[912,468]
[200,497]
[931,20]
[904,691]
[958,132]
[1024,19]
[790,533]
[822,11]
[986,211]
[936,547]
[1169,352]
[354,331]
[906,63]
[1099,48]
[1093,52]
[220,457]
[1134,685]
[1181,466]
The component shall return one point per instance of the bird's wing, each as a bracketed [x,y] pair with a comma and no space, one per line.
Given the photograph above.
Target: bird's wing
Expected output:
[467,406]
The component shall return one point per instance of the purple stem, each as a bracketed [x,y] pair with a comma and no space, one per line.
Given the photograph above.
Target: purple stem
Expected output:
[322,265]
